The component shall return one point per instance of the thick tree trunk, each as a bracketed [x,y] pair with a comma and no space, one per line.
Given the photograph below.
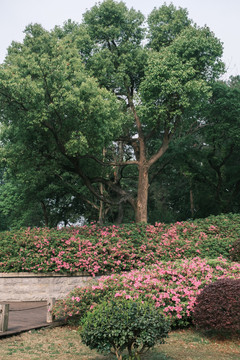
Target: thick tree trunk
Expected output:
[45,214]
[191,203]
[142,196]
[101,208]
[119,218]
[143,181]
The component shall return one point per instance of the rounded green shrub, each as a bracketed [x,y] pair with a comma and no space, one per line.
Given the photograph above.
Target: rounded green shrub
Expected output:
[124,324]
[235,251]
[217,307]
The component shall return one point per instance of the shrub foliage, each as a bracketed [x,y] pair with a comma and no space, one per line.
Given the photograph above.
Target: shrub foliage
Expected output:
[124,324]
[171,287]
[100,250]
[235,251]
[218,306]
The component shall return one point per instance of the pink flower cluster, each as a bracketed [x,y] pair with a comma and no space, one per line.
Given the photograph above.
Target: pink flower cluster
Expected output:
[101,250]
[171,286]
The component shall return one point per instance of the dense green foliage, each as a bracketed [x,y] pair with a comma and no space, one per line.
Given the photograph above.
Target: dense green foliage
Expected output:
[217,306]
[98,250]
[235,251]
[121,324]
[97,116]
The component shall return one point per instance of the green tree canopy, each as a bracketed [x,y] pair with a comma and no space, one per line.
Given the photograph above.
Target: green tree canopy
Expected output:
[104,96]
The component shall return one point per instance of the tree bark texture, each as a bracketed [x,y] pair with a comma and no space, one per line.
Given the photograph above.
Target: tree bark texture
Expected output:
[142,196]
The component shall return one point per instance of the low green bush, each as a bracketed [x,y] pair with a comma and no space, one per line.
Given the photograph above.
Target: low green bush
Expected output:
[121,324]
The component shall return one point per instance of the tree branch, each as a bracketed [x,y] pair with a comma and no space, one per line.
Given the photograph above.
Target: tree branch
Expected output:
[77,193]
[111,163]
[162,150]
[10,98]
[157,172]
[125,196]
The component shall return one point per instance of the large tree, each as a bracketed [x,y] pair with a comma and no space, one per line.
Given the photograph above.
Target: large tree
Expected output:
[106,96]
[52,110]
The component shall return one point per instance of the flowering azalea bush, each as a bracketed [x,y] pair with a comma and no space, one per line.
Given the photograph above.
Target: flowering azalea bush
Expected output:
[170,286]
[103,250]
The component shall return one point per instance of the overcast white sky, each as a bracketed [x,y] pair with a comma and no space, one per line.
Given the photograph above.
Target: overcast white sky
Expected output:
[222,16]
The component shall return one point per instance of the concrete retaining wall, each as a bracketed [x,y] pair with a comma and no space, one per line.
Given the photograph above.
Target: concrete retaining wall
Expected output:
[38,287]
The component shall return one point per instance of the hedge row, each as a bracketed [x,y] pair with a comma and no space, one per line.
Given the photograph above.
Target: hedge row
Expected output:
[101,250]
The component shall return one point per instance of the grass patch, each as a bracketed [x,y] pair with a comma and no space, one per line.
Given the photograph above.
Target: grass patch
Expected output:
[64,343]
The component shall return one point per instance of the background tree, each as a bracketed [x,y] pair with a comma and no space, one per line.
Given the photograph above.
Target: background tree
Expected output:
[221,147]
[199,175]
